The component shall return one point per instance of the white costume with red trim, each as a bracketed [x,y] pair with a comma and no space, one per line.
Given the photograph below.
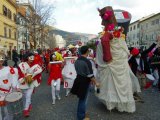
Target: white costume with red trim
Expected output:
[8,81]
[24,70]
[69,73]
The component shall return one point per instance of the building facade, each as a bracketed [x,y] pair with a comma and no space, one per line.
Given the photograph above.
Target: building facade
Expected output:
[24,17]
[150,30]
[8,26]
[143,32]
[133,35]
[22,30]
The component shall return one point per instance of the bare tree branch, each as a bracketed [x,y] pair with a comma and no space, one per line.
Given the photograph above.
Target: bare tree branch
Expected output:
[40,17]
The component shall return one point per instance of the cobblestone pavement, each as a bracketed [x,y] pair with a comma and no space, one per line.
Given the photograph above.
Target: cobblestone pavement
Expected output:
[65,109]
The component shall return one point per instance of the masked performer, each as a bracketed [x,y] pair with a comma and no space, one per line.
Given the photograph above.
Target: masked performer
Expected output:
[8,83]
[29,78]
[69,72]
[55,76]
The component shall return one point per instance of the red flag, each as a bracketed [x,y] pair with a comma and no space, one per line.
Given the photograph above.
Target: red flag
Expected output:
[126,15]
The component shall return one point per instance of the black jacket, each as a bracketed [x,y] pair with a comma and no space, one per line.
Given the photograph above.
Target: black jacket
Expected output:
[133,64]
[15,56]
[82,81]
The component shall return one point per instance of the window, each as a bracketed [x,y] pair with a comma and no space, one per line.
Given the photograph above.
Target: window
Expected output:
[130,28]
[4,10]
[157,21]
[14,17]
[137,25]
[146,25]
[5,32]
[152,36]
[28,13]
[9,33]
[138,35]
[15,35]
[133,36]
[153,22]
[134,27]
[9,14]
[146,37]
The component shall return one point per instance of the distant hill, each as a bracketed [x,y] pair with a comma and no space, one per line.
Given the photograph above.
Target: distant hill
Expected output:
[73,36]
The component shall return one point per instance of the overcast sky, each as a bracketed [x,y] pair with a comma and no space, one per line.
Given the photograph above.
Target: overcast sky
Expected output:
[82,15]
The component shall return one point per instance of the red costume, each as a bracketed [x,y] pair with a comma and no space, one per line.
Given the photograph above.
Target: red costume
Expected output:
[55,72]
[38,60]
[47,59]
[105,40]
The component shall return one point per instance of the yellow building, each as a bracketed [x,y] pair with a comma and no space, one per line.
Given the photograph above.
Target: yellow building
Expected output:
[8,25]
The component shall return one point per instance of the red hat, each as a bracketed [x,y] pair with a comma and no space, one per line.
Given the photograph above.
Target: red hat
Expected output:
[135,51]
[107,15]
[150,54]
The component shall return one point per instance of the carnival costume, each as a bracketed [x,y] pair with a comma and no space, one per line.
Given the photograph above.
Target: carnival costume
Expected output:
[8,82]
[29,78]
[69,72]
[55,76]
[116,78]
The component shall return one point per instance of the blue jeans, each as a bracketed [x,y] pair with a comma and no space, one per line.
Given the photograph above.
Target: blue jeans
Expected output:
[81,110]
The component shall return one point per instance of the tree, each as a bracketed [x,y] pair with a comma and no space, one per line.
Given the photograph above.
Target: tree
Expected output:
[51,41]
[40,16]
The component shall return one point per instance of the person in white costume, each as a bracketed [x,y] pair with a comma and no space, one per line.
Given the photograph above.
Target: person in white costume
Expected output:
[8,83]
[118,83]
[69,72]
[29,78]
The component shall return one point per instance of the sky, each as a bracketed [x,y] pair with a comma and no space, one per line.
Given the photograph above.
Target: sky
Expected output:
[82,15]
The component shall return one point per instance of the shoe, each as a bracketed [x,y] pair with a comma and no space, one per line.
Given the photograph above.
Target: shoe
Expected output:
[30,108]
[58,97]
[53,103]
[138,99]
[25,113]
[86,117]
[67,93]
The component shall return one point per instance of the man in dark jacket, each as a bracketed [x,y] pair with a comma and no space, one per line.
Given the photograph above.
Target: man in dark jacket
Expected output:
[15,57]
[84,78]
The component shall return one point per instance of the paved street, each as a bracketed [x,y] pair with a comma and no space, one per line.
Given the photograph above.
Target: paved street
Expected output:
[65,109]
